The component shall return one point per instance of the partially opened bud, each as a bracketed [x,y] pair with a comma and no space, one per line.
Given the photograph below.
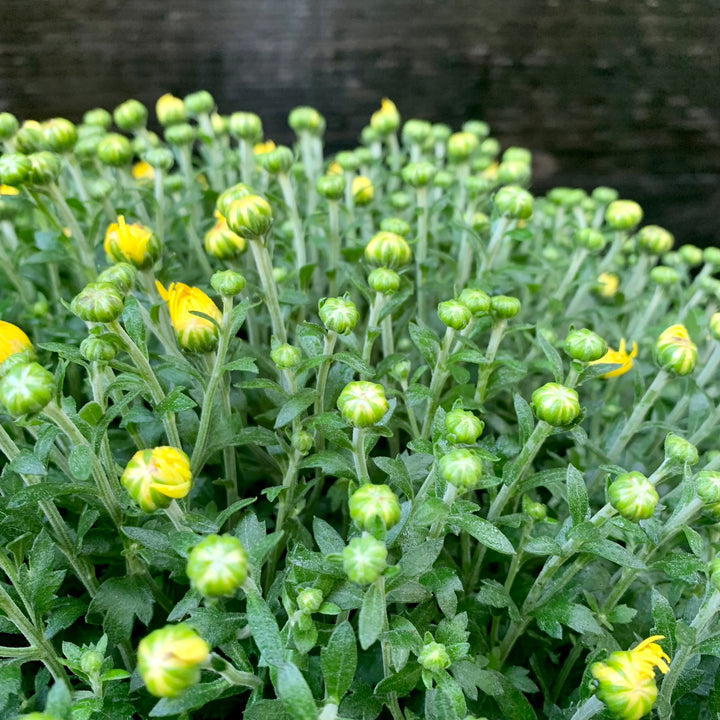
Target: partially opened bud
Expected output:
[388,249]
[386,120]
[461,145]
[170,110]
[454,314]
[100,302]
[463,427]
[250,217]
[364,559]
[222,243]
[193,332]
[309,600]
[130,116]
[362,190]
[153,478]
[675,351]
[339,314]
[607,285]
[169,659]
[26,388]
[623,215]
[114,150]
[229,196]
[434,657]
[362,403]
[534,510]
[514,202]
[14,344]
[462,468]
[585,345]
[476,300]
[347,161]
[218,566]
[633,496]
[278,161]
[556,404]
[374,502]
[654,239]
[134,244]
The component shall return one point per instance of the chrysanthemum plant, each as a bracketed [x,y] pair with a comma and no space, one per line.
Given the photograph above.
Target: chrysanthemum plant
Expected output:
[378,435]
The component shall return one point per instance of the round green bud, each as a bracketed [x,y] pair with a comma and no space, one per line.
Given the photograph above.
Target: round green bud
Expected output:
[280,275]
[348,161]
[714,326]
[130,116]
[556,404]
[663,275]
[160,158]
[443,179]
[45,168]
[462,468]
[478,128]
[585,345]
[440,132]
[277,161]
[100,302]
[633,496]
[388,249]
[302,442]
[100,189]
[86,148]
[534,510]
[477,185]
[655,240]
[173,183]
[98,117]
[229,196]
[490,146]
[14,169]
[461,145]
[60,135]
[114,150]
[220,125]
[368,135]
[364,560]
[590,239]
[463,427]
[181,134]
[9,125]
[514,172]
[228,282]
[708,486]
[246,126]
[363,190]
[401,371]
[400,200]
[476,300]
[250,217]
[338,314]
[395,225]
[26,388]
[218,566]
[454,314]
[504,307]
[711,286]
[480,223]
[99,348]
[169,659]
[434,657]
[199,103]
[286,356]
[309,600]
[680,450]
[371,503]
[30,137]
[675,351]
[306,119]
[517,154]
[514,202]
[623,214]
[363,404]
[416,132]
[331,187]
[91,662]
[691,255]
[170,110]
[122,275]
[711,255]
[384,280]
[386,120]
[604,195]
[419,174]
[480,162]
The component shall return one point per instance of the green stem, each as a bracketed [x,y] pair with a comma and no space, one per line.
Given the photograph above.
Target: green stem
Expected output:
[372,329]
[334,245]
[589,709]
[323,370]
[159,191]
[86,254]
[439,376]
[576,262]
[392,701]
[361,468]
[421,250]
[265,270]
[502,224]
[298,233]
[496,335]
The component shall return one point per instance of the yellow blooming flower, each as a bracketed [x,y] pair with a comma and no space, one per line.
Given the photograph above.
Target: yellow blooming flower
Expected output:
[194,333]
[626,680]
[363,190]
[620,357]
[143,171]
[264,147]
[134,244]
[154,477]
[8,190]
[607,285]
[13,341]
[335,169]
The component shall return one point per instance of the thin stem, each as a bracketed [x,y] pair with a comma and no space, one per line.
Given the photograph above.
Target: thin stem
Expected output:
[439,376]
[421,249]
[323,370]
[371,330]
[496,335]
[264,268]
[392,701]
[361,468]
[590,708]
[334,245]
[502,224]
[578,258]
[298,233]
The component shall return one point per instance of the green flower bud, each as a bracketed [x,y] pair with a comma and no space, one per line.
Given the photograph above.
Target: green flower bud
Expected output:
[86,148]
[534,510]
[246,126]
[663,275]
[277,161]
[14,169]
[114,150]
[514,173]
[302,442]
[633,496]
[26,388]
[461,145]
[416,132]
[443,179]
[122,275]
[309,600]
[9,125]
[45,168]
[250,217]
[181,134]
[280,275]
[99,348]
[170,110]
[306,119]
[480,162]
[173,183]
[368,135]
[517,154]
[364,559]
[228,282]
[339,314]
[229,196]
[395,225]
[400,200]
[286,356]
[218,566]
[476,300]
[60,135]
[478,185]
[363,404]
[556,404]
[169,659]
[462,468]
[463,427]
[386,120]
[401,371]
[480,224]
[100,189]
[441,132]
[384,280]
[691,255]
[714,326]
[99,302]
[590,239]
[30,137]
[454,314]
[331,187]
[98,117]
[708,486]
[623,215]
[504,306]
[711,255]
[585,345]
[604,195]
[655,240]
[160,158]
[199,103]
[434,657]
[478,128]
[38,716]
[130,116]
[371,503]
[348,161]
[680,450]
[490,146]
[91,662]
[675,351]
[514,202]
[363,191]
[419,174]
[388,249]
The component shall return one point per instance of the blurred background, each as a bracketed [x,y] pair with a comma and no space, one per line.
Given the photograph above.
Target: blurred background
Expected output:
[604,92]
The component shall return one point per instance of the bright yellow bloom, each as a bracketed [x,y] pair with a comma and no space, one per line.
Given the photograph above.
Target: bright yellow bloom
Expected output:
[143,171]
[264,147]
[619,357]
[13,341]
[8,190]
[194,333]
[386,119]
[134,244]
[154,477]
[335,169]
[363,190]
[607,285]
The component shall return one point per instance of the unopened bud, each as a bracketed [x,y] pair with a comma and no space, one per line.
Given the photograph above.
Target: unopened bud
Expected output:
[663,275]
[364,559]
[590,239]
[286,356]
[250,217]
[199,103]
[122,275]
[45,168]
[331,187]
[98,302]
[370,503]
[14,169]
[302,442]
[514,202]
[218,566]
[170,110]
[504,306]
[556,404]
[419,174]
[623,214]
[400,200]
[98,117]
[9,125]
[60,135]
[363,190]
[228,282]
[585,345]
[691,255]
[476,300]
[222,243]
[680,450]
[534,510]
[278,161]
[454,314]
[246,126]
[363,404]
[388,249]
[654,239]
[463,427]
[99,348]
[708,486]
[462,468]
[339,314]
[434,657]
[384,280]
[130,116]
[306,119]
[309,600]
[114,150]
[26,388]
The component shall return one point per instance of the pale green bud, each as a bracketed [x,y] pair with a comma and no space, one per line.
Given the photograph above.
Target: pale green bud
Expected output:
[514,202]
[122,275]
[395,225]
[306,119]
[98,117]
[454,314]
[100,302]
[246,126]
[462,468]
[663,275]
[478,128]
[680,450]
[60,135]
[604,195]
[286,356]
[362,403]
[556,404]
[99,348]
[9,125]
[504,306]
[461,145]
[26,388]
[339,314]
[302,442]
[585,345]
[199,103]
[463,427]
[434,657]
[114,150]
[228,282]
[309,600]
[691,255]
[218,566]
[277,161]
[633,496]
[590,239]
[331,187]
[514,173]
[419,174]
[476,300]
[229,196]
[130,116]
[384,280]
[374,502]
[387,249]
[364,559]
[45,168]
[14,169]
[623,214]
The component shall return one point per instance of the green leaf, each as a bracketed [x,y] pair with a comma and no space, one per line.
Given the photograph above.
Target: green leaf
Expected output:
[245,364]
[230,511]
[295,693]
[68,352]
[294,406]
[401,683]
[484,532]
[680,565]
[315,562]
[622,615]
[152,539]
[425,341]
[556,363]
[542,546]
[664,618]
[81,461]
[256,435]
[695,541]
[193,698]
[372,616]
[615,553]
[418,560]
[175,402]
[355,362]
[332,427]
[513,704]
[338,662]
[492,593]
[264,628]
[577,495]
[133,321]
[331,463]
[48,491]
[27,463]
[59,702]
[327,538]
[561,610]
[118,602]
[398,475]
[526,422]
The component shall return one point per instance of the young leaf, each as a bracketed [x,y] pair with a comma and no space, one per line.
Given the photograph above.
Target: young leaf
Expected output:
[293,690]
[484,532]
[264,628]
[372,616]
[339,661]
[577,495]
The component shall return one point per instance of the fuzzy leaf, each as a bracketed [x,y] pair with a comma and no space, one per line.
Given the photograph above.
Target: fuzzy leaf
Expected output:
[119,601]
[577,495]
[294,406]
[339,661]
[484,532]
[264,628]
[293,690]
[372,616]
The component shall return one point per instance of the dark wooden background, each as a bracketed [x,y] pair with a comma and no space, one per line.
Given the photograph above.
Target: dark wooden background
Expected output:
[619,92]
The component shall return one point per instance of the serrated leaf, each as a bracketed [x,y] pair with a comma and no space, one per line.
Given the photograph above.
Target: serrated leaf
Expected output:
[372,616]
[246,364]
[175,402]
[118,602]
[425,341]
[338,662]
[577,495]
[484,532]
[492,593]
[331,463]
[48,491]
[256,435]
[401,683]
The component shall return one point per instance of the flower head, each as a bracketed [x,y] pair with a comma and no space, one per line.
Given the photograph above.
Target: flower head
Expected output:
[135,244]
[675,351]
[620,357]
[193,333]
[13,341]
[154,477]
[607,285]
[8,190]
[143,171]
[263,148]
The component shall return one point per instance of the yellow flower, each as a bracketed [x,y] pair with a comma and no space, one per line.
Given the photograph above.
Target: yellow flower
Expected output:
[491,172]
[675,351]
[607,285]
[386,119]
[134,244]
[154,477]
[194,333]
[8,190]
[143,171]
[335,169]
[13,341]
[619,357]
[264,147]
[363,190]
